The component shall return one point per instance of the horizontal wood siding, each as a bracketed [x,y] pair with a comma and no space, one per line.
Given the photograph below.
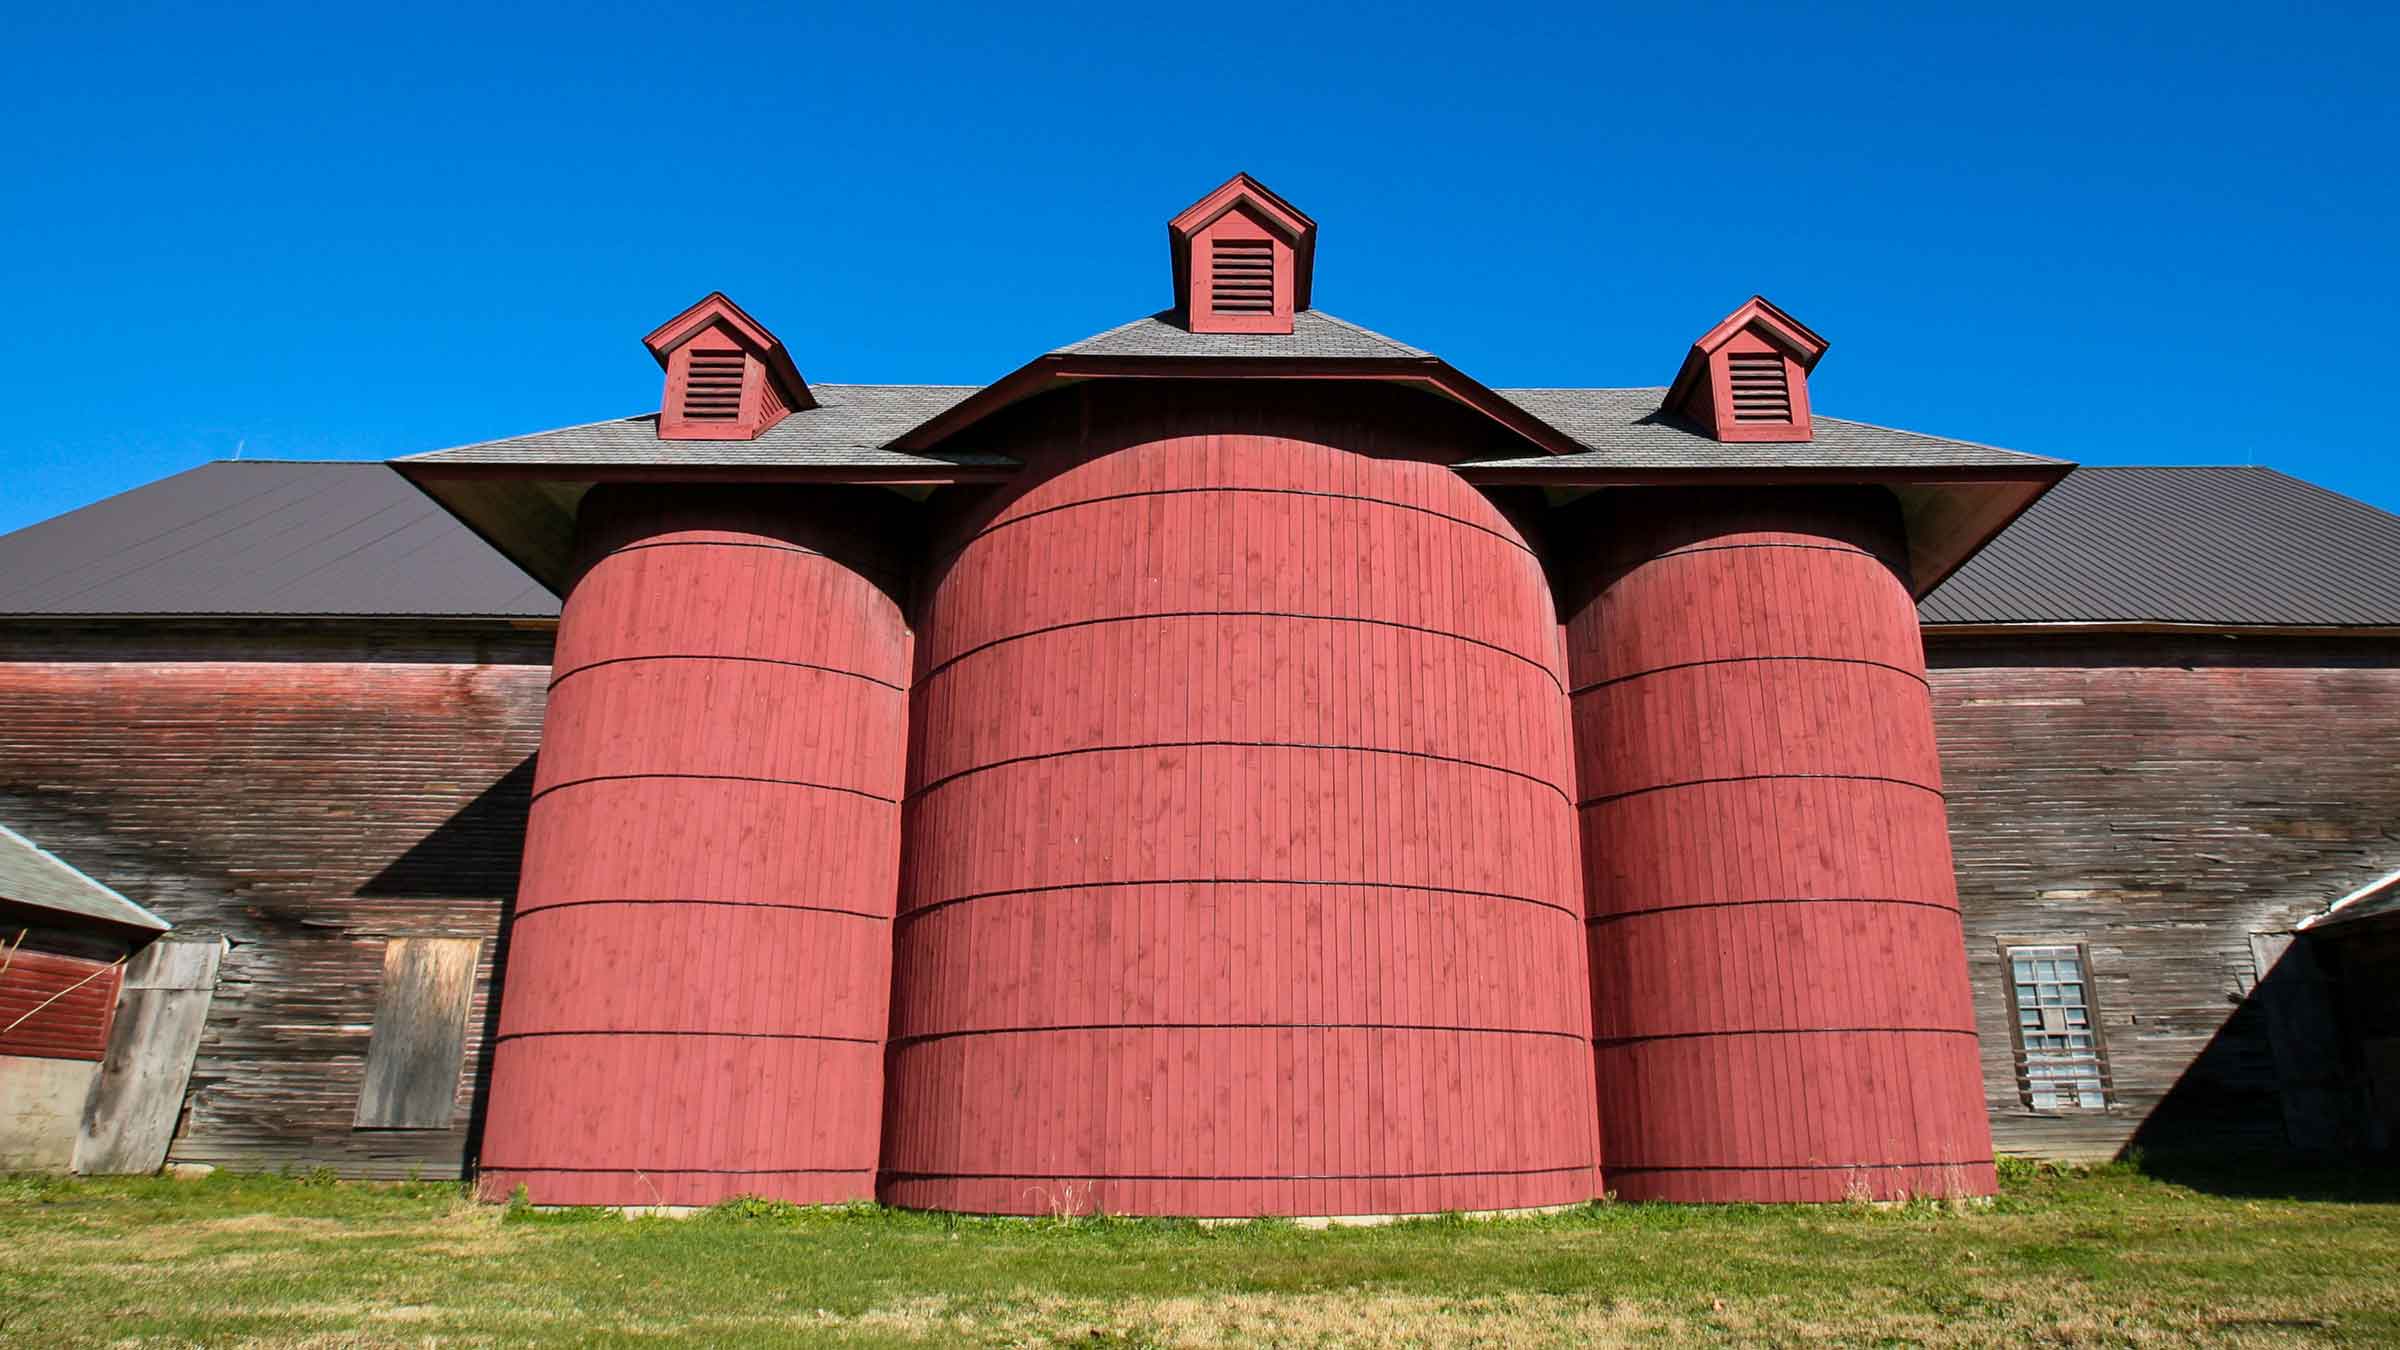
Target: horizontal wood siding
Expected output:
[306,791]
[700,965]
[1240,867]
[1779,990]
[2161,799]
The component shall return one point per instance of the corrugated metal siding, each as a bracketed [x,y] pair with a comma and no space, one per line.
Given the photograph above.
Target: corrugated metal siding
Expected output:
[2228,546]
[1780,1004]
[700,967]
[53,1006]
[1240,869]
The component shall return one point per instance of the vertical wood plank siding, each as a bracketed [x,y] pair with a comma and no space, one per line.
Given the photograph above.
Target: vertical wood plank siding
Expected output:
[1240,854]
[1779,983]
[699,976]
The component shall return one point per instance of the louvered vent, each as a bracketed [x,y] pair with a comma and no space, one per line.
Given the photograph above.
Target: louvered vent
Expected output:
[712,387]
[1762,387]
[1241,276]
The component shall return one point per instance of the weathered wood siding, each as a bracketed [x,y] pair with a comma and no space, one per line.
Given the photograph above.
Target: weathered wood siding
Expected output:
[306,791]
[309,790]
[2162,799]
[129,1120]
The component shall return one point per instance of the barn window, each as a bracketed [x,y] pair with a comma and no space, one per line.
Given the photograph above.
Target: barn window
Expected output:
[420,1037]
[2061,1064]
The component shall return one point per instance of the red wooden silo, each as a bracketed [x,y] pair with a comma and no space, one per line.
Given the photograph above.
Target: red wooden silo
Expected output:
[1240,871]
[696,987]
[1780,991]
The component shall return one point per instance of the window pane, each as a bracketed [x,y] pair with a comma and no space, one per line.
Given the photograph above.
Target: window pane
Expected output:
[2063,1066]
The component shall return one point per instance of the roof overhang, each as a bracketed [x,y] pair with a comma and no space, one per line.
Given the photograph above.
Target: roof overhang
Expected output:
[36,882]
[1950,513]
[527,511]
[1059,369]
[2075,628]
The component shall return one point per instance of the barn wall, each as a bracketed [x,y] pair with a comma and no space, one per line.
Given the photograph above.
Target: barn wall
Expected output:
[307,792]
[310,790]
[2162,799]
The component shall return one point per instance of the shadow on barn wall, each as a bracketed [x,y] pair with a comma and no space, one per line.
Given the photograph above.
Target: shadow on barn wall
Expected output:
[477,851]
[2315,1122]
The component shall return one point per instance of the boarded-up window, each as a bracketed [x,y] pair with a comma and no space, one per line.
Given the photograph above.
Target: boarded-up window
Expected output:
[2061,1065]
[420,1034]
[54,1006]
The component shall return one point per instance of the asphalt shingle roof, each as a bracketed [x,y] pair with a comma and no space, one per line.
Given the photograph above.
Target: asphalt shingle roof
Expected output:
[847,429]
[1315,333]
[1624,429]
[854,423]
[2232,545]
[31,875]
[263,537]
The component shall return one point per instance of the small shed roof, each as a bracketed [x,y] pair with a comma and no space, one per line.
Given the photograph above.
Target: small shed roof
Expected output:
[32,876]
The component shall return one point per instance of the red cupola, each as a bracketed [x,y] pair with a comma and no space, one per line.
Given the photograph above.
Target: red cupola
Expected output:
[1747,378]
[1243,258]
[728,378]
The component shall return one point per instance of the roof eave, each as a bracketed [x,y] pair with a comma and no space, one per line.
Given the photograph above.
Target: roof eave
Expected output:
[123,913]
[1058,369]
[1951,512]
[515,508]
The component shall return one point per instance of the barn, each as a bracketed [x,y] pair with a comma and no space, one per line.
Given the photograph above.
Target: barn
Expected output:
[1236,764]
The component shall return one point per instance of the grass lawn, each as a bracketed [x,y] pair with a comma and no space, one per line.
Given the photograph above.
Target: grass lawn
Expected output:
[2107,1257]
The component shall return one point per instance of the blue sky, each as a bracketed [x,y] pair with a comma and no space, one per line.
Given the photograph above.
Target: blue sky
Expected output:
[363,231]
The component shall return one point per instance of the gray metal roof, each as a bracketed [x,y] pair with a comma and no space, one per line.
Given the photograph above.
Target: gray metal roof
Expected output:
[1315,333]
[262,537]
[1625,429]
[31,875]
[2228,546]
[847,429]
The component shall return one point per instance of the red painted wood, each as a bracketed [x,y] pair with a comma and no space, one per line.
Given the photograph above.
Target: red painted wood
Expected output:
[771,387]
[1241,209]
[696,989]
[54,1006]
[1240,847]
[1703,388]
[1780,1000]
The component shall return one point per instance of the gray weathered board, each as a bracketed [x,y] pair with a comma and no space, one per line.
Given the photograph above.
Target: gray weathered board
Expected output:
[420,1035]
[136,1098]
